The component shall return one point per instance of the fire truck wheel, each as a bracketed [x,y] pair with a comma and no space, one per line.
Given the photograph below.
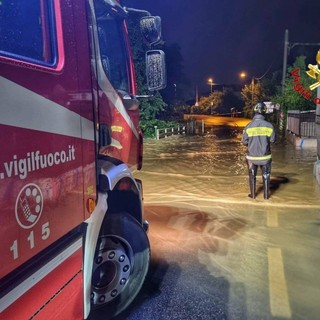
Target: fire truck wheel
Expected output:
[120,266]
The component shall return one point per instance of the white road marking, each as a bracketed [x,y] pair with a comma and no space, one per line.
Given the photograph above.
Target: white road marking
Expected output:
[272,219]
[279,301]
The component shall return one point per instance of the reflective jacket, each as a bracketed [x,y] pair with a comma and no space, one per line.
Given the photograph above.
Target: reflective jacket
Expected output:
[258,135]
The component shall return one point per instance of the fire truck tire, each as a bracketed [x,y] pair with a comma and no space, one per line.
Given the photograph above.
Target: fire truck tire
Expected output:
[120,265]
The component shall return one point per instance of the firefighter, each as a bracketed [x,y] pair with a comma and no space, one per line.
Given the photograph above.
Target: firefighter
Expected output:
[257,136]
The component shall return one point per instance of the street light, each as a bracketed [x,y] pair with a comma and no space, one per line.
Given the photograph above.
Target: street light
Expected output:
[243,75]
[210,81]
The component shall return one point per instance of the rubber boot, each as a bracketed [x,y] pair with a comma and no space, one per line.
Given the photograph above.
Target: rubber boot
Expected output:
[266,186]
[252,185]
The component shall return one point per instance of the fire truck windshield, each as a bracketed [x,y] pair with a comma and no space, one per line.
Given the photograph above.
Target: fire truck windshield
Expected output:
[113,51]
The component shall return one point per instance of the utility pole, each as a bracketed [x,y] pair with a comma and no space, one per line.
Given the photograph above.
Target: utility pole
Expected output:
[285,58]
[252,91]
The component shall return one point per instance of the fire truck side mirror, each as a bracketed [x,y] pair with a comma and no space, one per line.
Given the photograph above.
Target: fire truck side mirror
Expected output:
[151,29]
[156,70]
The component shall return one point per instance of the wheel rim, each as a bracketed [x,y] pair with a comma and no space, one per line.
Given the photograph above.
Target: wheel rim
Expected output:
[111,269]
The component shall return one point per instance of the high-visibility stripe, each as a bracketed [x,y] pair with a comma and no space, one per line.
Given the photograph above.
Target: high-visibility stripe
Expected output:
[23,108]
[259,158]
[259,131]
[34,278]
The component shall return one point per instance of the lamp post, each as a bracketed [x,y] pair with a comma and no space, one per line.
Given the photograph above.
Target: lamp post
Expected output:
[197,97]
[175,92]
[210,81]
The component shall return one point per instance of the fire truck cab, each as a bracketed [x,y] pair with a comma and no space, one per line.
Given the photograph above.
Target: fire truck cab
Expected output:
[72,233]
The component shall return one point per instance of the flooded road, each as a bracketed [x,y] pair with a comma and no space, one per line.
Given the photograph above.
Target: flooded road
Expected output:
[217,254]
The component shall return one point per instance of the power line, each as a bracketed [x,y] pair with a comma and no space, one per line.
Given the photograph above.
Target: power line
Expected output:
[265,72]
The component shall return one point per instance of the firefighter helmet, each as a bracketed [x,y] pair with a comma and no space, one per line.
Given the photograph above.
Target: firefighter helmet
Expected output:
[260,108]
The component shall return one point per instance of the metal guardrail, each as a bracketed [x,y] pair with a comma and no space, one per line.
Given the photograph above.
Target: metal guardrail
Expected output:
[166,132]
[302,123]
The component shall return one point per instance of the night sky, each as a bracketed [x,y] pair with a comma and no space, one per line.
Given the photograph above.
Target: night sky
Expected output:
[221,38]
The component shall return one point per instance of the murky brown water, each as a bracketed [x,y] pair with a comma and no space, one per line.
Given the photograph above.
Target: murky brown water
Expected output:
[213,167]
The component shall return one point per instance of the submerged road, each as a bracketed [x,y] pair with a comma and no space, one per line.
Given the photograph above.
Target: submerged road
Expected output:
[217,254]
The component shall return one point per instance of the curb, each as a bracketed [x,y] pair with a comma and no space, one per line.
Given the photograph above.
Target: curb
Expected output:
[303,142]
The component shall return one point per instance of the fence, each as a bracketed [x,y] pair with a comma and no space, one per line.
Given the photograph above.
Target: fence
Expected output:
[166,132]
[302,123]
[192,126]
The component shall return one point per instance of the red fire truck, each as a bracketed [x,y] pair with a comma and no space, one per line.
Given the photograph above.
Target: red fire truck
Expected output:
[72,233]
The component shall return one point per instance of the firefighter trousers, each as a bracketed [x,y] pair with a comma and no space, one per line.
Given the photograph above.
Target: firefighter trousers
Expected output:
[266,173]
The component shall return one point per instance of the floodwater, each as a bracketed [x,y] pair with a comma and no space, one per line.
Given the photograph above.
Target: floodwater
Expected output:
[213,168]
[218,254]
